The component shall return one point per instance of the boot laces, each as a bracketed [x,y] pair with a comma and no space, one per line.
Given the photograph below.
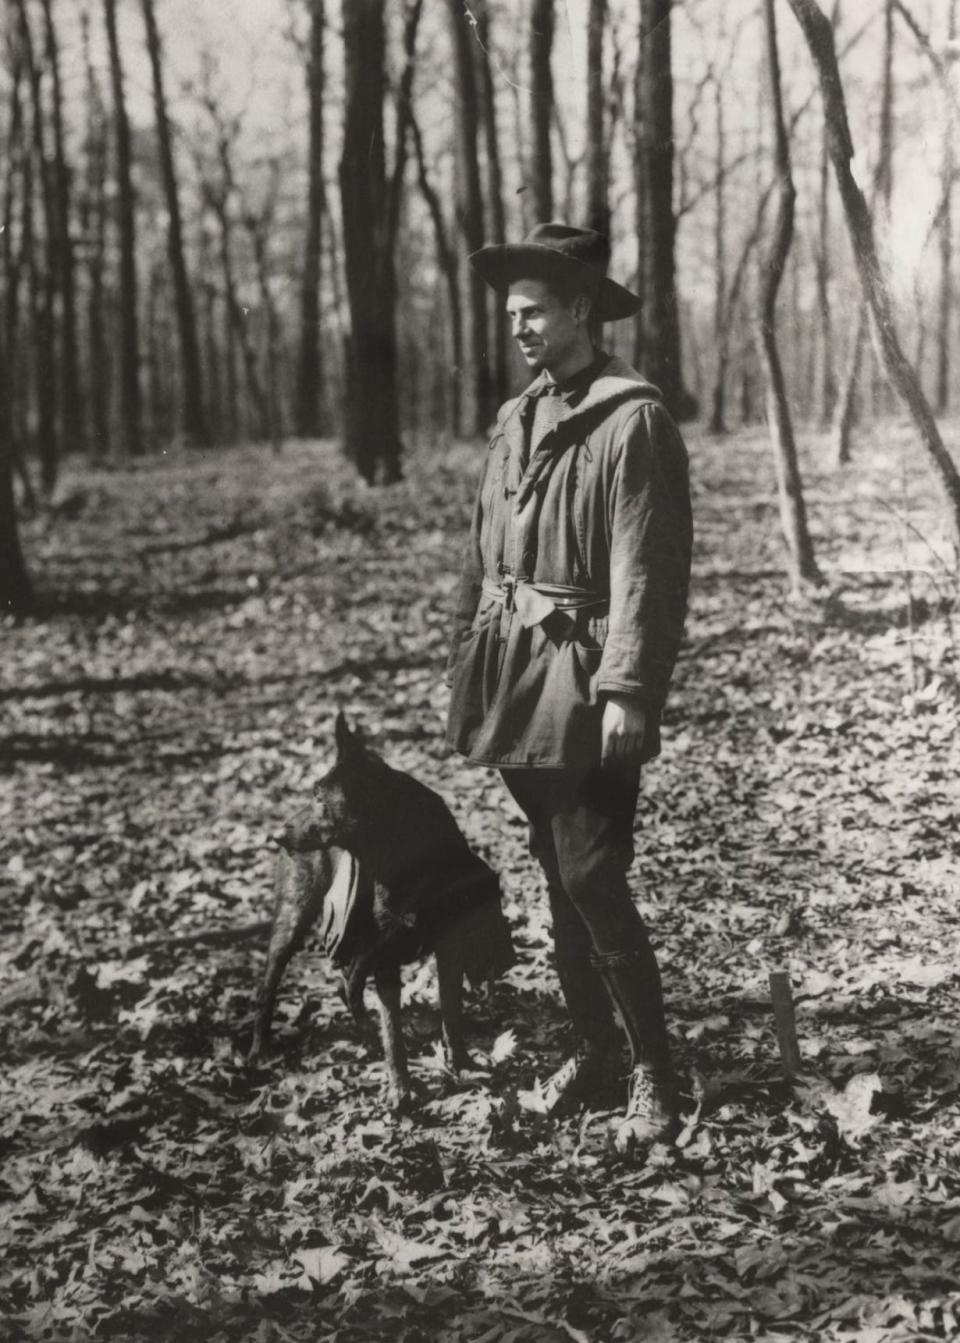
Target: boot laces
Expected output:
[647,1101]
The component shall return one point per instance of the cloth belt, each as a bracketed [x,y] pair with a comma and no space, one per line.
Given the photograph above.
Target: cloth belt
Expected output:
[533,602]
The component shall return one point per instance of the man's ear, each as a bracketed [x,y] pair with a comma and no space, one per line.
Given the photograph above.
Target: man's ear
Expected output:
[582,306]
[346,741]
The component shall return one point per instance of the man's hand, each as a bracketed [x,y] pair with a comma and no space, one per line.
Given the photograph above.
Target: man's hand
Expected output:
[624,727]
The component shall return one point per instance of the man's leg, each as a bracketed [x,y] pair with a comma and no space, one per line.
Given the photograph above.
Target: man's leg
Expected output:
[597,1058]
[591,823]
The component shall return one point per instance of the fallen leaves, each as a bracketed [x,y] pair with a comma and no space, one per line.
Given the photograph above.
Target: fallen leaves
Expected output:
[802,815]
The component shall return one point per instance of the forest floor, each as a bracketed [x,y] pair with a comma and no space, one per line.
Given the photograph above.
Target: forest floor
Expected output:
[203,617]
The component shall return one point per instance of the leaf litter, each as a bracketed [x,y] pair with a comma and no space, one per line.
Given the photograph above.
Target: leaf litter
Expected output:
[205,618]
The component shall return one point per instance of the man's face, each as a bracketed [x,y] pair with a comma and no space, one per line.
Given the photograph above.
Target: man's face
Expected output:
[546,330]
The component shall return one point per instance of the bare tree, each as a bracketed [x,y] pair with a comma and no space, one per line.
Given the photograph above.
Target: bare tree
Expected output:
[42,281]
[16,593]
[497,227]
[130,443]
[309,417]
[15,261]
[948,173]
[469,209]
[70,398]
[194,417]
[93,226]
[541,108]
[598,205]
[793,514]
[448,261]
[658,338]
[371,429]
[260,226]
[846,407]
[826,373]
[819,38]
[720,305]
[220,195]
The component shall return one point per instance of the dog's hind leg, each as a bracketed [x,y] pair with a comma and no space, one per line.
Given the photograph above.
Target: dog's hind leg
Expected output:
[450,991]
[387,980]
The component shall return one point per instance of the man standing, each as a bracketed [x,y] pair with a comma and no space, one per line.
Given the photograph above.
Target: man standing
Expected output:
[568,623]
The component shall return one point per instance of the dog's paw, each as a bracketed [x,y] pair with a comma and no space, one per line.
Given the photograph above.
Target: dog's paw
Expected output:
[459,1061]
[402,1095]
[399,1101]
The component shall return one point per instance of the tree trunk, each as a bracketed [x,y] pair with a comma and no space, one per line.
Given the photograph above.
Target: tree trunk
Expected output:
[16,594]
[130,443]
[880,391]
[449,266]
[845,415]
[827,373]
[308,418]
[541,109]
[238,330]
[194,416]
[43,284]
[640,213]
[259,233]
[237,318]
[793,515]
[212,374]
[598,206]
[721,309]
[496,214]
[819,37]
[845,409]
[945,307]
[72,426]
[155,401]
[469,208]
[93,223]
[659,316]
[827,370]
[371,430]
[235,421]
[17,169]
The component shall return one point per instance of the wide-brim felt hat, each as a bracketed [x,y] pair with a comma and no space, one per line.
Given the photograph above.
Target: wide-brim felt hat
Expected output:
[552,251]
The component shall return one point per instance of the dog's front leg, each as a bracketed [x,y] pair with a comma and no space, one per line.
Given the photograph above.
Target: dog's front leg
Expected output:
[450,990]
[387,981]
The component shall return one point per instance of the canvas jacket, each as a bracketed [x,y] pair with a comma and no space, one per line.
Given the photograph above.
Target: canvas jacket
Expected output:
[602,508]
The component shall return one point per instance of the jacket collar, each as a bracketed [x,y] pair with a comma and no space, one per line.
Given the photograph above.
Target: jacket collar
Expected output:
[573,388]
[613,383]
[612,380]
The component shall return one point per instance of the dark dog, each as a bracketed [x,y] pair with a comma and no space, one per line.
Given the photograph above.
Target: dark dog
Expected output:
[380,855]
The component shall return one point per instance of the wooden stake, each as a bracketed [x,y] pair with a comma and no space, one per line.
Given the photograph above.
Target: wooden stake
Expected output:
[785,1020]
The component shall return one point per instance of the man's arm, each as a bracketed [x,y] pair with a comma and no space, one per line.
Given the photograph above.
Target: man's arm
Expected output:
[471,580]
[650,545]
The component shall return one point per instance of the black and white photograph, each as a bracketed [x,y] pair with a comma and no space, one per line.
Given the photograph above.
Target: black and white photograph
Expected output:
[480,679]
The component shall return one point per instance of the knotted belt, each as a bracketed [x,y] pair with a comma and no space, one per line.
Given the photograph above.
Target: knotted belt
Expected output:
[533,602]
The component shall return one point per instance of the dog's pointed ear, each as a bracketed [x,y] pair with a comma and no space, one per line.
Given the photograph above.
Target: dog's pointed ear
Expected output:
[346,741]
